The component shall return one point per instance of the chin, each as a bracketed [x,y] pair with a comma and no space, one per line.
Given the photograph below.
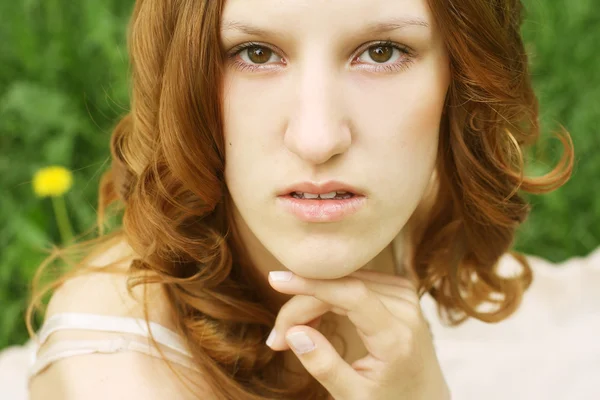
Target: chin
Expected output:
[326,260]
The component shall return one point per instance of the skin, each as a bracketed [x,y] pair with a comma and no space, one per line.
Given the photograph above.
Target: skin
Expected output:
[401,362]
[313,112]
[316,105]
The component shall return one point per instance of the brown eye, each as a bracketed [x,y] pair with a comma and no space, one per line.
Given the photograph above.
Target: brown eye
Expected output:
[381,54]
[259,54]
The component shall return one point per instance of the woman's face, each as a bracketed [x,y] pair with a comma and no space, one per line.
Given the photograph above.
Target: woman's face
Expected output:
[341,94]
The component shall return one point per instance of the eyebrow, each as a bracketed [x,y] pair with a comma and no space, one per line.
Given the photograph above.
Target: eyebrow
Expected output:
[373,28]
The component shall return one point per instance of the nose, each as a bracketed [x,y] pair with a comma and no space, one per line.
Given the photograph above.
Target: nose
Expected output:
[317,130]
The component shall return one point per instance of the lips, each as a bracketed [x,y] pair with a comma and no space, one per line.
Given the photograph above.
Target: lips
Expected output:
[348,200]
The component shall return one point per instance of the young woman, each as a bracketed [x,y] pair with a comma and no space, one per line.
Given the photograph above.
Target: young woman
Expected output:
[298,176]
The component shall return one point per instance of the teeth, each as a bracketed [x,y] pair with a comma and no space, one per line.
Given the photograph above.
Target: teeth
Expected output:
[329,195]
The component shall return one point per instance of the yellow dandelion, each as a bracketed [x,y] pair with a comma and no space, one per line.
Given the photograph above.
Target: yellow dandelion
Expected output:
[52,181]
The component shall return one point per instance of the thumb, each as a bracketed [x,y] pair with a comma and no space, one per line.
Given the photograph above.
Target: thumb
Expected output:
[323,362]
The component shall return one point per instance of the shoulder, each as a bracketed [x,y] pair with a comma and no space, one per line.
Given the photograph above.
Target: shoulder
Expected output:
[106,293]
[126,375]
[123,374]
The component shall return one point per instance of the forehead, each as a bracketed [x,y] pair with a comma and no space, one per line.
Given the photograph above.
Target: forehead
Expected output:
[281,16]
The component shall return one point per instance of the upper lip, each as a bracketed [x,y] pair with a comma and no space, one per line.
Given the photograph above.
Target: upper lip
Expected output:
[320,188]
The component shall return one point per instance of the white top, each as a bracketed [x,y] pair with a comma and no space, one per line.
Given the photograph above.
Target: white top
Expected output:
[548,350]
[174,347]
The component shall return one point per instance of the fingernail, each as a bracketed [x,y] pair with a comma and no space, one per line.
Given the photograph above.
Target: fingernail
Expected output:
[280,275]
[271,338]
[300,342]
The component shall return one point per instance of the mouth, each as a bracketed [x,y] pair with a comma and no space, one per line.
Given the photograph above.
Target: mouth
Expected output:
[320,204]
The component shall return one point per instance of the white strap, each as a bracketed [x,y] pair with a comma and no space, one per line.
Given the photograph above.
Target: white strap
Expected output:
[68,348]
[110,323]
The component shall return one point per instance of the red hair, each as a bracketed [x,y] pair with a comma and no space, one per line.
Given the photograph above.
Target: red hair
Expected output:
[167,178]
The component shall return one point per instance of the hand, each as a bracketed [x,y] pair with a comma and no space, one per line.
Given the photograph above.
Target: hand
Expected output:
[386,311]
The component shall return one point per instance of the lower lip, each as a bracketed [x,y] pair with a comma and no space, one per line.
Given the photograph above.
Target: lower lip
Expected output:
[322,210]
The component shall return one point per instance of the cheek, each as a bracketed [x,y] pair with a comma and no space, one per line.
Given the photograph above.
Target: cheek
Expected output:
[242,120]
[252,115]
[411,123]
[402,134]
[404,108]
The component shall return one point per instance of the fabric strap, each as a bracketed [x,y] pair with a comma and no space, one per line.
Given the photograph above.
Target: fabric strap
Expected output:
[175,349]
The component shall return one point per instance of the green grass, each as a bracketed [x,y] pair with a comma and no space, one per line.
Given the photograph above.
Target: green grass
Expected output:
[562,38]
[63,84]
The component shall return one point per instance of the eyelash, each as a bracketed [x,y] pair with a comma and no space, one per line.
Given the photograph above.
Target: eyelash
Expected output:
[243,66]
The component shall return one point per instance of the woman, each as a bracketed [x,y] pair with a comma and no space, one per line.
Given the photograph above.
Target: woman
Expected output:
[302,173]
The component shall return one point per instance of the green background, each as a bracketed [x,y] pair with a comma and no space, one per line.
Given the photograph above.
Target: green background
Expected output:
[64,84]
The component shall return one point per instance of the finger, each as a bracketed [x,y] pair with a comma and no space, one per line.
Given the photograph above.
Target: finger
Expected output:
[382,344]
[363,306]
[402,302]
[396,292]
[388,279]
[299,310]
[323,362]
[308,310]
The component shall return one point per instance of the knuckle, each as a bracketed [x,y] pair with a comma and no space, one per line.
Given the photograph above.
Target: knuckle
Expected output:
[388,340]
[405,343]
[288,312]
[282,317]
[288,306]
[301,309]
[293,305]
[358,291]
[411,340]
[323,369]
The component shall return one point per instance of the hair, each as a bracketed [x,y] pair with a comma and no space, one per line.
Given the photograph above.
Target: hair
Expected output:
[166,181]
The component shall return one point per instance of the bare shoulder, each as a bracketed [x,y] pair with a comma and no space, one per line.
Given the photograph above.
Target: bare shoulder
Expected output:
[106,293]
[126,374]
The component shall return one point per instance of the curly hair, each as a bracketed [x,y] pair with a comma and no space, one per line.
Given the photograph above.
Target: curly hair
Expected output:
[167,180]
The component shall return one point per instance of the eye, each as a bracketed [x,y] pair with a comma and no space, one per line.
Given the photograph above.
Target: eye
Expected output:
[253,56]
[381,53]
